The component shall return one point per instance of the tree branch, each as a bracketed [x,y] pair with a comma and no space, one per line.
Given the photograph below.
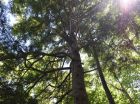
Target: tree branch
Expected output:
[63,96]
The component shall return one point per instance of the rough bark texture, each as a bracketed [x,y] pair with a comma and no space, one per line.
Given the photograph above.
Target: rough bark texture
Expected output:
[107,91]
[78,86]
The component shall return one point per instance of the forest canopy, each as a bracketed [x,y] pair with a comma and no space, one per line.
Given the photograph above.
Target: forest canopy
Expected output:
[69,52]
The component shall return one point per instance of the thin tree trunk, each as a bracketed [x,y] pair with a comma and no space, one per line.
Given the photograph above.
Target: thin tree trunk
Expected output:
[124,90]
[101,75]
[126,94]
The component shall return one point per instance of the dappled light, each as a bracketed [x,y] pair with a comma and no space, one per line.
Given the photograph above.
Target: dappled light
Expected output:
[69,52]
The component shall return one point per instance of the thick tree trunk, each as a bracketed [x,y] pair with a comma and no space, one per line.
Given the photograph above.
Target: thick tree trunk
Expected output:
[107,91]
[78,86]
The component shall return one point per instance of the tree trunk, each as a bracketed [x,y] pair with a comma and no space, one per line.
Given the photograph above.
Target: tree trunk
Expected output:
[123,89]
[127,95]
[107,91]
[78,86]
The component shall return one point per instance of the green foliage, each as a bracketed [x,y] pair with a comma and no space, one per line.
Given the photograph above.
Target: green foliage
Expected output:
[42,72]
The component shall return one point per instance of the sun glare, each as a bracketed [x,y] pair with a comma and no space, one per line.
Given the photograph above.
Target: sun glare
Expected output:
[127,5]
[125,2]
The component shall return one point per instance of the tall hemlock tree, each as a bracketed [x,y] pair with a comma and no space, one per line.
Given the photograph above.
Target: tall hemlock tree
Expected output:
[42,63]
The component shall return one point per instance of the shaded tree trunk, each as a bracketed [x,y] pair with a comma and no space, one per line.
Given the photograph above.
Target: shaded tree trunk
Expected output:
[78,86]
[101,75]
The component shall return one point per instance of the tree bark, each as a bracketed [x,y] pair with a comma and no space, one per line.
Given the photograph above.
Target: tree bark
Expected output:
[78,86]
[101,75]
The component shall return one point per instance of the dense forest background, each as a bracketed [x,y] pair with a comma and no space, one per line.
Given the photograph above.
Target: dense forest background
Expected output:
[70,52]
